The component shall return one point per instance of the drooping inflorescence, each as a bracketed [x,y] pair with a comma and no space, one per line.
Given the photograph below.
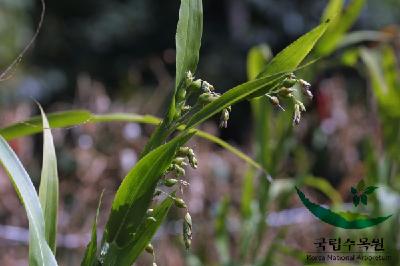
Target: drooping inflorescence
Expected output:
[287,90]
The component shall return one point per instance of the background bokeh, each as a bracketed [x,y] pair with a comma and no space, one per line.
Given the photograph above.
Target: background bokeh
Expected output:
[118,56]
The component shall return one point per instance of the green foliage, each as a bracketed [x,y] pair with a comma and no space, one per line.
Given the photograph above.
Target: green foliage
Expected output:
[34,125]
[115,254]
[134,196]
[39,250]
[48,190]
[341,23]
[90,259]
[75,118]
[131,224]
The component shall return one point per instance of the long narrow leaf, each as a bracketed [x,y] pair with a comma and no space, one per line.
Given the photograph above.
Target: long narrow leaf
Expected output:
[136,191]
[34,125]
[129,253]
[188,38]
[39,251]
[24,128]
[290,57]
[89,259]
[48,190]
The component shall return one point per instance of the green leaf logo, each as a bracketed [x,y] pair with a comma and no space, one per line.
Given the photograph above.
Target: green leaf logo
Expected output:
[361,193]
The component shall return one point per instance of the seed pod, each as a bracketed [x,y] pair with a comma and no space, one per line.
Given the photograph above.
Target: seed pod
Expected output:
[170,182]
[195,86]
[224,118]
[187,230]
[297,114]
[193,162]
[149,212]
[184,151]
[304,84]
[289,82]
[178,160]
[180,203]
[285,92]
[275,101]
[179,170]
[149,248]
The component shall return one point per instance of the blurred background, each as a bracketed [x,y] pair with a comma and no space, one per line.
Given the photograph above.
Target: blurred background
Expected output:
[118,56]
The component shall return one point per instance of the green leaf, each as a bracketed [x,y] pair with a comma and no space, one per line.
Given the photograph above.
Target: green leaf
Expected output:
[24,128]
[39,251]
[353,190]
[126,255]
[332,11]
[89,259]
[257,58]
[188,38]
[233,96]
[188,42]
[340,25]
[34,125]
[370,190]
[382,70]
[136,191]
[289,58]
[356,200]
[361,185]
[364,199]
[48,190]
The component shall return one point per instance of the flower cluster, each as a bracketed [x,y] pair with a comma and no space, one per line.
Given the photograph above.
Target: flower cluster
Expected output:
[287,90]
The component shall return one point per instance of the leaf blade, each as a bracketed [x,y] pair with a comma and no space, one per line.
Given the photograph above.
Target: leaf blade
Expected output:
[136,191]
[290,57]
[39,251]
[89,258]
[48,189]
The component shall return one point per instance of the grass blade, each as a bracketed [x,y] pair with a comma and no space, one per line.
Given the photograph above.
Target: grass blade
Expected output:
[48,190]
[135,193]
[339,26]
[89,258]
[290,57]
[39,251]
[128,254]
[23,128]
[34,125]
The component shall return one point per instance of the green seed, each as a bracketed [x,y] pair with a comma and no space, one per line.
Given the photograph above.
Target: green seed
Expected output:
[170,182]
[180,203]
[149,249]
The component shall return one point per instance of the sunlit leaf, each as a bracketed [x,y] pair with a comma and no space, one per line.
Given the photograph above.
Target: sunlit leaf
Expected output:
[39,251]
[89,259]
[34,125]
[48,190]
[135,193]
[127,254]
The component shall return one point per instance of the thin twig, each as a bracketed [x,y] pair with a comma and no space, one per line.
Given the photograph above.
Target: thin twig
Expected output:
[8,73]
